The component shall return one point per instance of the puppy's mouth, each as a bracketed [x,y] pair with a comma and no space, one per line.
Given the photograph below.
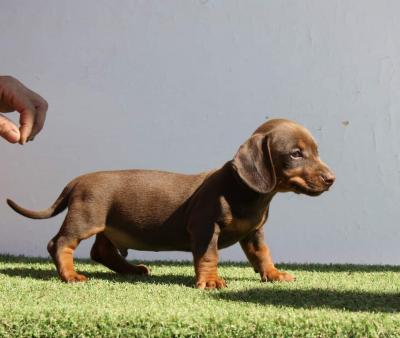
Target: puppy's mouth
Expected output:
[306,188]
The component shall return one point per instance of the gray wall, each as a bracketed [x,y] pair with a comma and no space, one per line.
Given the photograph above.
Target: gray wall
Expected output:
[179,85]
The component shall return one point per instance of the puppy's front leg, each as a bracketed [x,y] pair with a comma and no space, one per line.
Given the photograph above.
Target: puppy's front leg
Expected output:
[205,253]
[260,258]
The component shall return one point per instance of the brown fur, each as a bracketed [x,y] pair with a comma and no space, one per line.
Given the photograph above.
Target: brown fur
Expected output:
[156,210]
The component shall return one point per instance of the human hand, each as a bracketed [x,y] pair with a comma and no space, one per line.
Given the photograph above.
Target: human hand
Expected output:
[14,96]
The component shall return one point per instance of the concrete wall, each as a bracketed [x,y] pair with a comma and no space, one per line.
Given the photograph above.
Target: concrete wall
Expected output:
[179,85]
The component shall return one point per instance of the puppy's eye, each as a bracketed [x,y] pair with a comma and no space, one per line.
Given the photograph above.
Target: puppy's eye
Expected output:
[296,154]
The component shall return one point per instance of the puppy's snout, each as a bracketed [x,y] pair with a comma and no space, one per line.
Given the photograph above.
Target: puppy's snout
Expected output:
[328,178]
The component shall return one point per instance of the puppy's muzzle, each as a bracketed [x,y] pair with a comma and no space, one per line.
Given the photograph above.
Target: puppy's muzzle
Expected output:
[328,179]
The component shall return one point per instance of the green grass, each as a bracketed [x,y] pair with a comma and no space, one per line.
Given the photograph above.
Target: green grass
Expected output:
[326,300]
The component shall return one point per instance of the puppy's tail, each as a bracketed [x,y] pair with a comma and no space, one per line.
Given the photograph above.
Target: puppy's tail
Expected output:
[58,206]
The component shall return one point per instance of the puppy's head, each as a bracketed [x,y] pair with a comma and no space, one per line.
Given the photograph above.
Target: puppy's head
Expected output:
[282,156]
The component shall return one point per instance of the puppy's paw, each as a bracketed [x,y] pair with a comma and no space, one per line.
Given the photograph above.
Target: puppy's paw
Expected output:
[210,283]
[73,277]
[139,269]
[277,276]
[142,269]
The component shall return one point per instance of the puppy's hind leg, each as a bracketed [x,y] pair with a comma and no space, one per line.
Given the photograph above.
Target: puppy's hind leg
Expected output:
[104,252]
[61,248]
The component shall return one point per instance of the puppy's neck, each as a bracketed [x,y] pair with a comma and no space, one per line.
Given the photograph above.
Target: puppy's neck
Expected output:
[241,192]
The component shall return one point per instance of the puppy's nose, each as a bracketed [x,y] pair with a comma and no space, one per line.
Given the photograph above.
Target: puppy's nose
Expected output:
[328,178]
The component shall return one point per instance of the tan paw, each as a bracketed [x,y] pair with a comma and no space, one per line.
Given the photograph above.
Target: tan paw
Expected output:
[141,269]
[210,283]
[277,276]
[73,277]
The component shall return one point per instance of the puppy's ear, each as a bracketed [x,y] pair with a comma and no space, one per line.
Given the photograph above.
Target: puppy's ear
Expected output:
[253,163]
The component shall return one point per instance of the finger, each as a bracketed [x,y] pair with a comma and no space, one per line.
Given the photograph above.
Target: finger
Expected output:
[15,96]
[26,121]
[8,130]
[24,106]
[40,117]
[5,108]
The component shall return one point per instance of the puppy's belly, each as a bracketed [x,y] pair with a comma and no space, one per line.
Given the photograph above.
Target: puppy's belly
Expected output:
[139,239]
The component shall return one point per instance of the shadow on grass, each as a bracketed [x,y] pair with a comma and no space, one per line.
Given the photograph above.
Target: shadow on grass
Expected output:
[356,301]
[339,267]
[48,274]
[283,266]
[45,274]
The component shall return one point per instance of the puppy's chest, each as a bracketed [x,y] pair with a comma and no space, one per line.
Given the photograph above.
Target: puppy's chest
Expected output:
[241,223]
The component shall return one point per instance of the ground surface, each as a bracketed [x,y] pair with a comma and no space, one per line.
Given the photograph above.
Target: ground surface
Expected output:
[326,300]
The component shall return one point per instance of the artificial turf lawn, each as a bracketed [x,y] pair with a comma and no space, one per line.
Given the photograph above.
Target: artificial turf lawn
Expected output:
[325,300]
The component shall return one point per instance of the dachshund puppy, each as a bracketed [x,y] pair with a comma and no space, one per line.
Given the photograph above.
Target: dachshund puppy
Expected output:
[156,210]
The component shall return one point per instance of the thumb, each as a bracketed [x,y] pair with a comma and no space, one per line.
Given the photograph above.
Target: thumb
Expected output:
[8,130]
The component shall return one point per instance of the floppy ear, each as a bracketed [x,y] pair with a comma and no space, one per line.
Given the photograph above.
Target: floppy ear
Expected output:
[253,163]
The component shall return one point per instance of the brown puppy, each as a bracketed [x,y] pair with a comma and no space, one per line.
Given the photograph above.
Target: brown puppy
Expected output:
[156,210]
